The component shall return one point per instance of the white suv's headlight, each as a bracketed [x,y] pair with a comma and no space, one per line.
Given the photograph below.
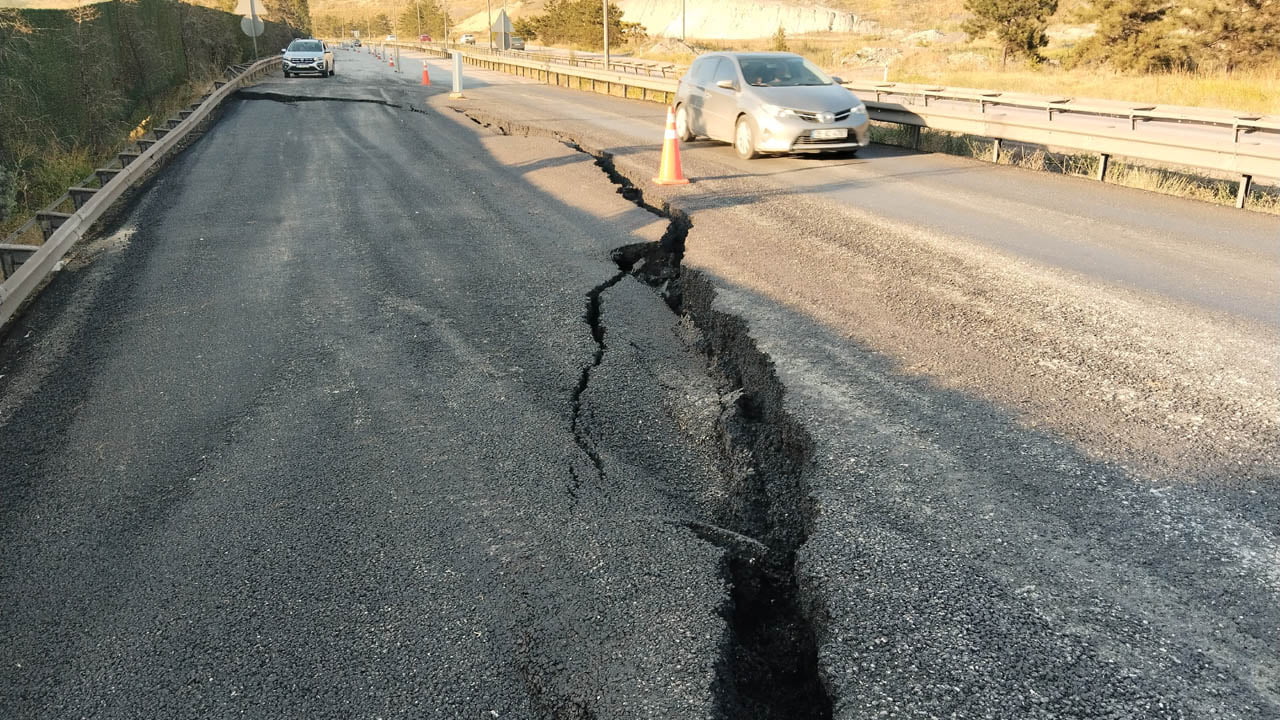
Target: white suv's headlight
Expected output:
[777,111]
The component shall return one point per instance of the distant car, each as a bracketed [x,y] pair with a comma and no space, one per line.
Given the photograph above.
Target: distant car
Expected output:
[424,38]
[308,57]
[390,38]
[517,42]
[468,39]
[769,103]
[356,43]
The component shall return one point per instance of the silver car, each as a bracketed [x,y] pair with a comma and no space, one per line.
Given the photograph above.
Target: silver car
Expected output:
[308,56]
[769,103]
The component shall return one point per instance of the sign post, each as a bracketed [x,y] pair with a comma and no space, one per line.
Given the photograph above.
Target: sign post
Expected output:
[253,27]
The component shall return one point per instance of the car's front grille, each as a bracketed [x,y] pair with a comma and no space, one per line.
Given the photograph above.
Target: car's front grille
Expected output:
[807,140]
[812,117]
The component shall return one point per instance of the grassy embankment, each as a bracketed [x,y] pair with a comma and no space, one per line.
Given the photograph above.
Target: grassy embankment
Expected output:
[81,83]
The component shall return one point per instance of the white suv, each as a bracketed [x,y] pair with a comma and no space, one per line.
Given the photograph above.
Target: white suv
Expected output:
[309,56]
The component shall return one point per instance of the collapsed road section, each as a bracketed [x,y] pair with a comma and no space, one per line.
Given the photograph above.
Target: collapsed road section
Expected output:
[764,517]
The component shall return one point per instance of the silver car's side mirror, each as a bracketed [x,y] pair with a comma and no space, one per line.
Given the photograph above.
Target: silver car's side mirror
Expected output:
[726,84]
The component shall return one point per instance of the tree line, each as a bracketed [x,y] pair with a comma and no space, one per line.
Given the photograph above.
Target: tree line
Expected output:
[423,17]
[1141,35]
[578,23]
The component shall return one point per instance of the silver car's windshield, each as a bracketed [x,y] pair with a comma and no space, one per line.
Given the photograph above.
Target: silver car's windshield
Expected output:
[781,72]
[304,46]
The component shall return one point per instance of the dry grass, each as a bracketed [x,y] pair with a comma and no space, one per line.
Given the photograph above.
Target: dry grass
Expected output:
[1255,90]
[976,65]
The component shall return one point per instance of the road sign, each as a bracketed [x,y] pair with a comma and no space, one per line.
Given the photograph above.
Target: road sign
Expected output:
[502,24]
[252,26]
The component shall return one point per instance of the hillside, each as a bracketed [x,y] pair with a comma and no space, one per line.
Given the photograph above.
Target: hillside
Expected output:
[727,20]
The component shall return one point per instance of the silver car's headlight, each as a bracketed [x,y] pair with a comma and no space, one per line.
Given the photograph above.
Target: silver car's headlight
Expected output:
[778,111]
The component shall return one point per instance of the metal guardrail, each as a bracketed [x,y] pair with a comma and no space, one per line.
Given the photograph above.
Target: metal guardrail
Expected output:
[554,70]
[25,267]
[1231,154]
[1144,132]
[627,67]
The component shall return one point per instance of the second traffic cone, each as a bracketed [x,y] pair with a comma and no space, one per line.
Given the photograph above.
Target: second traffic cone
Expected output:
[391,60]
[426,76]
[670,172]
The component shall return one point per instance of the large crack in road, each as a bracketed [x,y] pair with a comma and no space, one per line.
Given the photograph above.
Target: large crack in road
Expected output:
[771,670]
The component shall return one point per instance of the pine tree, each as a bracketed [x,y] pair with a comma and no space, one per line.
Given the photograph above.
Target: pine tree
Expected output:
[294,13]
[577,22]
[1231,34]
[423,17]
[1135,35]
[780,40]
[1019,25]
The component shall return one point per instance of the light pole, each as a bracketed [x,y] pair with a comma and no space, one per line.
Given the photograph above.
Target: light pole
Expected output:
[253,20]
[488,11]
[417,5]
[606,33]
[683,16]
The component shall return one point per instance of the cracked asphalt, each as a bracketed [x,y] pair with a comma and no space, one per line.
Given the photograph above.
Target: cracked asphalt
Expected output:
[296,439]
[346,419]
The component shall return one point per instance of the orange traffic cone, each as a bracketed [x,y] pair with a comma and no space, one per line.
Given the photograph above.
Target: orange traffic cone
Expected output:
[670,172]
[391,60]
[426,76]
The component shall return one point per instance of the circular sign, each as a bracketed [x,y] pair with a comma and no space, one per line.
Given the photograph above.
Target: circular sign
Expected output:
[253,27]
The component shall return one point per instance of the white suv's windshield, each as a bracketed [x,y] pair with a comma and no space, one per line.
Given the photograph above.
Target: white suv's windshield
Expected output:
[774,71]
[304,46]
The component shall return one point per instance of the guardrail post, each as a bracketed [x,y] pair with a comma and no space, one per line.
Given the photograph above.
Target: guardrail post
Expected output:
[50,221]
[1243,194]
[913,137]
[80,195]
[1103,161]
[995,151]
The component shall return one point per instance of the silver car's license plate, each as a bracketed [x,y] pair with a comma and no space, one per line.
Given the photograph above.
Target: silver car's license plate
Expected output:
[830,134]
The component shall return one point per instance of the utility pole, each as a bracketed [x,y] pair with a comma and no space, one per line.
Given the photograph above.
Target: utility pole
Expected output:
[417,5]
[488,11]
[683,16]
[253,19]
[606,33]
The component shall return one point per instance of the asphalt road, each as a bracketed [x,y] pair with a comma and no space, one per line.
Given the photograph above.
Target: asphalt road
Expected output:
[298,440]
[353,417]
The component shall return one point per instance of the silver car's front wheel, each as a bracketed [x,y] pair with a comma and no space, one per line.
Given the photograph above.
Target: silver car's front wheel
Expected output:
[744,139]
[682,124]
